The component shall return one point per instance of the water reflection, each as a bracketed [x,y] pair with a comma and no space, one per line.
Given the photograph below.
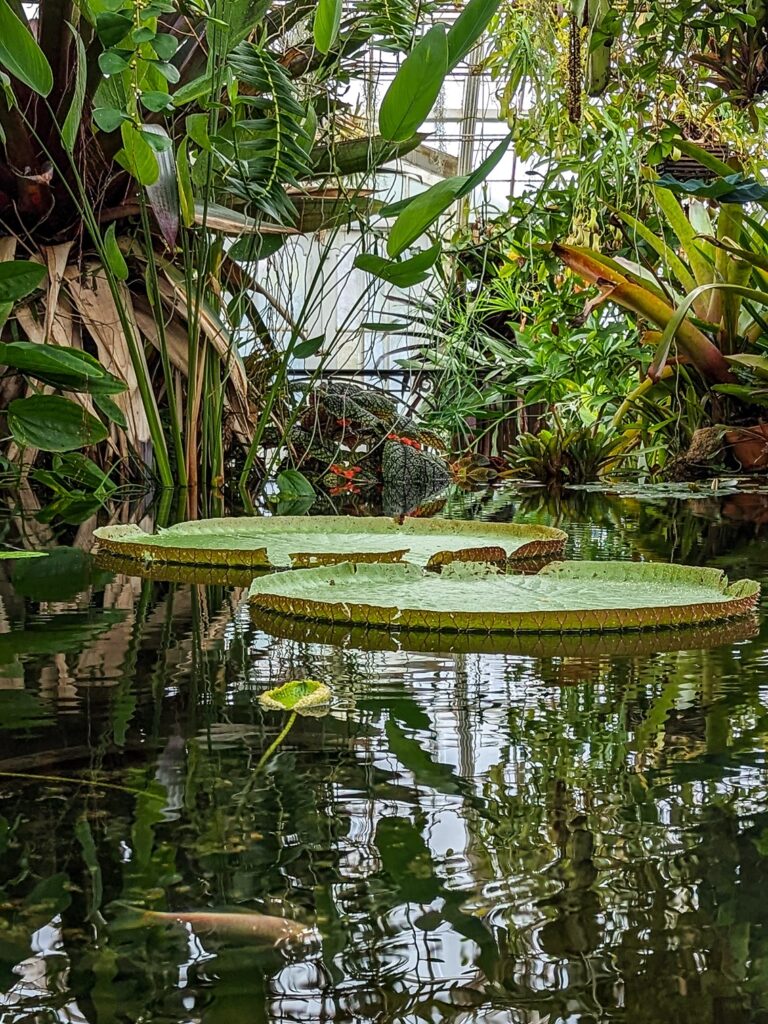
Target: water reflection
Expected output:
[540,835]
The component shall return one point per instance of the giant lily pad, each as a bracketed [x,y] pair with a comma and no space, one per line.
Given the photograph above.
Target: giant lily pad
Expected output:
[569,597]
[302,541]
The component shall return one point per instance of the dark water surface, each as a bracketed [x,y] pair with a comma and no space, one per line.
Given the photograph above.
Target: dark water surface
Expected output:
[549,834]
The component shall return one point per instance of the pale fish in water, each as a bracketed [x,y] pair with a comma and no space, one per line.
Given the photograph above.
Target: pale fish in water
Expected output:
[262,929]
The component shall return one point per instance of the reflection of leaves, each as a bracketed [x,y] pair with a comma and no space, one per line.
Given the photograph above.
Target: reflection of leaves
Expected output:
[64,574]
[21,709]
[49,897]
[61,634]
[411,754]
[85,838]
[406,859]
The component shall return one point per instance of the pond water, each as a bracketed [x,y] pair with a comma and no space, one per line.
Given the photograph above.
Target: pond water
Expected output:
[542,834]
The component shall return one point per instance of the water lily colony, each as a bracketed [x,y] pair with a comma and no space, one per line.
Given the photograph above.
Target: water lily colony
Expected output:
[155,157]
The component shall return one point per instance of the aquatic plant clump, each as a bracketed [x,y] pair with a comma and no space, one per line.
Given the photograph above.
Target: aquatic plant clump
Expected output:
[569,597]
[304,541]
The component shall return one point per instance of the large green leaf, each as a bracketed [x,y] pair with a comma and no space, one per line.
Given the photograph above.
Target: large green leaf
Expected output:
[424,209]
[137,156]
[326,23]
[284,541]
[53,424]
[416,86]
[20,53]
[75,113]
[359,156]
[734,188]
[422,212]
[562,597]
[70,369]
[18,278]
[403,273]
[468,28]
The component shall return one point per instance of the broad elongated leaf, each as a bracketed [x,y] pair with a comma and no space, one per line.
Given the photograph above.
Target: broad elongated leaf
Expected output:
[425,208]
[416,86]
[757,364]
[326,23]
[75,113]
[641,300]
[233,222]
[422,212]
[53,424]
[659,246]
[67,368]
[20,53]
[359,156]
[114,258]
[734,188]
[163,193]
[22,554]
[678,319]
[468,28]
[563,597]
[402,274]
[297,541]
[137,156]
[18,278]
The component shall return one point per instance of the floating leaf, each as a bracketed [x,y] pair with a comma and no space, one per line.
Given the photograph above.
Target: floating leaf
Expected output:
[563,597]
[298,541]
[23,554]
[305,696]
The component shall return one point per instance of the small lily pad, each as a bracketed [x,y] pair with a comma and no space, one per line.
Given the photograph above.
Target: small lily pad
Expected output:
[568,597]
[304,541]
[304,696]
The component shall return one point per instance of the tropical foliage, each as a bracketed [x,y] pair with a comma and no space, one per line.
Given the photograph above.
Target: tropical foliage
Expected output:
[139,141]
